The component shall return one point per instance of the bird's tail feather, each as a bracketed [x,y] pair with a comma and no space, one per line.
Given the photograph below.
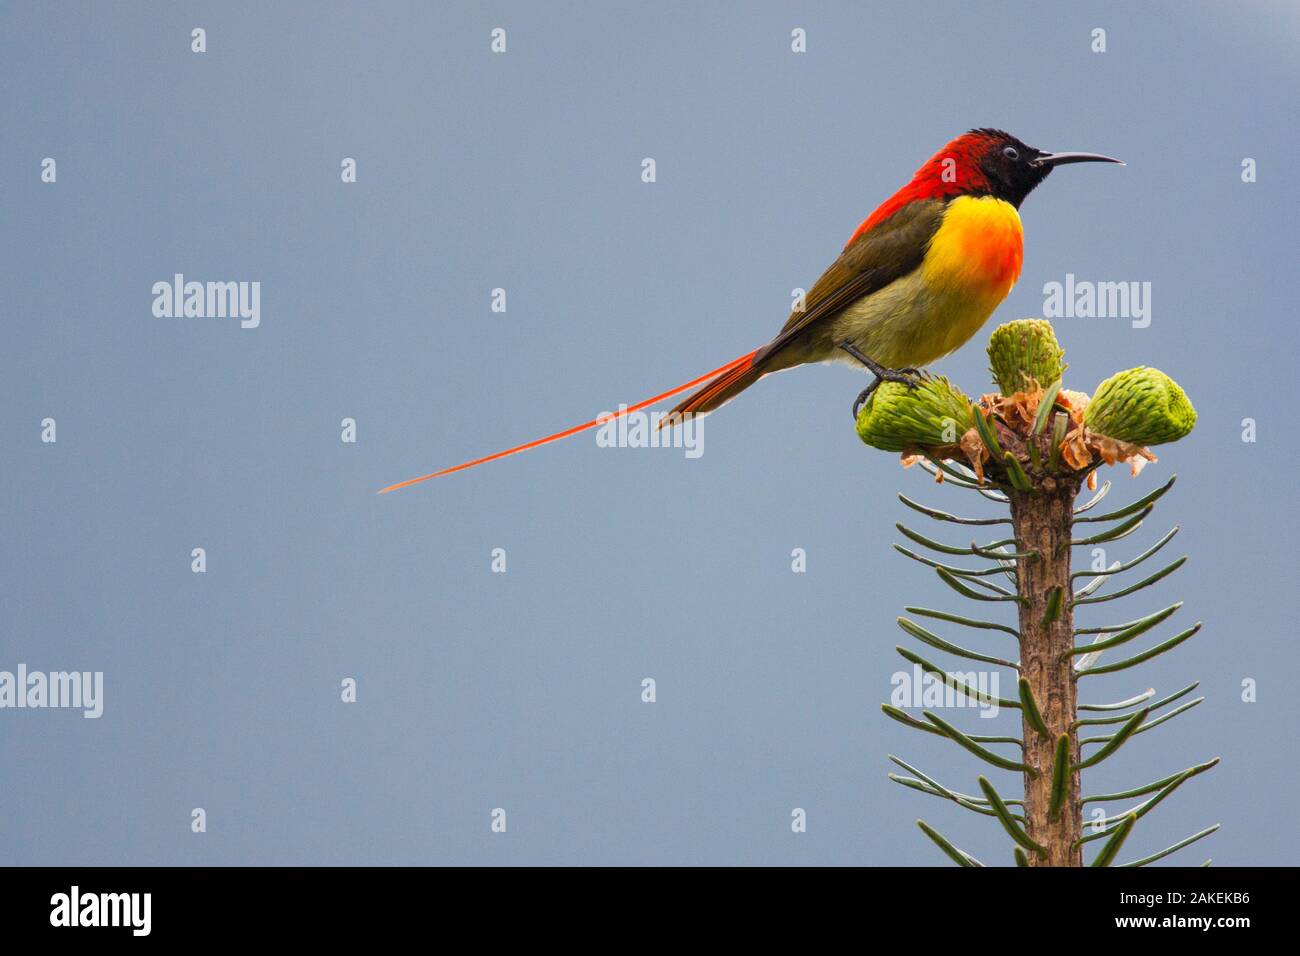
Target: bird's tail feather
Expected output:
[723,373]
[717,393]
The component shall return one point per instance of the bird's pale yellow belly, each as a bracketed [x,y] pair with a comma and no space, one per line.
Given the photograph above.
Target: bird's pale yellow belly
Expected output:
[972,262]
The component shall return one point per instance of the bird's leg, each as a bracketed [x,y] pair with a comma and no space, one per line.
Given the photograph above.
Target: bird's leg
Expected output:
[882,374]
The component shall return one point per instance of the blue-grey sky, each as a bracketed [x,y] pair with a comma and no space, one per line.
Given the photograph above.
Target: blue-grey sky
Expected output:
[523,171]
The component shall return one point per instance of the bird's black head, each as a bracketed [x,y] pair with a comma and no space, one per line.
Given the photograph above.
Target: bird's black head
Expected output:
[1013,169]
[1008,165]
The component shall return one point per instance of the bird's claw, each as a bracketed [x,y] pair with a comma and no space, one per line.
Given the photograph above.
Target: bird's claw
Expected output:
[904,376]
[862,397]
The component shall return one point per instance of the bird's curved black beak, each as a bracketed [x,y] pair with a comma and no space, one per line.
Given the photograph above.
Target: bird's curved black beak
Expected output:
[1062,159]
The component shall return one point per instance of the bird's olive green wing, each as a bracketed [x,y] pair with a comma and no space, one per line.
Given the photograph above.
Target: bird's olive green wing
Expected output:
[889,251]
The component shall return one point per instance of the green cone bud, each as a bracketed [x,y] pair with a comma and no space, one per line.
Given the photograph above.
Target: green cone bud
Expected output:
[1023,350]
[1143,406]
[897,417]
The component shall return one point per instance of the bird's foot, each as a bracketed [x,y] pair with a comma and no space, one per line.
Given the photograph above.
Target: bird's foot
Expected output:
[904,376]
[862,397]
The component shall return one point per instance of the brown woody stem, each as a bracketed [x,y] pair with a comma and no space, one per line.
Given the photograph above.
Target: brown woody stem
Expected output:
[1042,520]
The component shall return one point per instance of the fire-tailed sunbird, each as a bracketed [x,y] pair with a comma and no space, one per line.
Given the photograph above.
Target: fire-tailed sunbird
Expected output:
[915,281]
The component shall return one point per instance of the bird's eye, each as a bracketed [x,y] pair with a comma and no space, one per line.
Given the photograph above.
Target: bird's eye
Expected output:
[1010,153]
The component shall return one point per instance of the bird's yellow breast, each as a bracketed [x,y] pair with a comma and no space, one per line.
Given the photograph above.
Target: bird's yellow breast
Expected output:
[978,249]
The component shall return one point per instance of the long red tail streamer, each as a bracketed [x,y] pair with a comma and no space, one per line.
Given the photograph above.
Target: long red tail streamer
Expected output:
[538,442]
